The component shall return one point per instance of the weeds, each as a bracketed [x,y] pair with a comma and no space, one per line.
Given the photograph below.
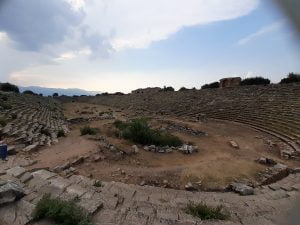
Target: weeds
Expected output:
[61,133]
[87,130]
[59,211]
[139,131]
[205,212]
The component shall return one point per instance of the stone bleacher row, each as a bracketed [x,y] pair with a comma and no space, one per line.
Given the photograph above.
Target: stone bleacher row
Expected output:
[273,108]
[33,120]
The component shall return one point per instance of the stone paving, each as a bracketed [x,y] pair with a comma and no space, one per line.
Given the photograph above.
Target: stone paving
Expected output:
[121,204]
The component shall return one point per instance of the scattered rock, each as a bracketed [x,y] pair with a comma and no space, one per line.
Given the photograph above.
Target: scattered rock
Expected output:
[16,171]
[295,170]
[78,161]
[30,148]
[134,149]
[242,189]
[189,187]
[280,166]
[234,144]
[26,177]
[10,192]
[11,150]
[143,183]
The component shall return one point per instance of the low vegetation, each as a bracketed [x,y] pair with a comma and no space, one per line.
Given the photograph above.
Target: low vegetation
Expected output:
[291,78]
[211,85]
[60,212]
[3,122]
[255,81]
[87,130]
[61,133]
[138,131]
[168,88]
[28,92]
[7,87]
[206,212]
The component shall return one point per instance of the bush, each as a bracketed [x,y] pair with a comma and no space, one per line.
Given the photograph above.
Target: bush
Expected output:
[183,89]
[168,89]
[59,211]
[45,131]
[255,81]
[28,92]
[61,133]
[205,212]
[87,130]
[211,85]
[138,131]
[55,95]
[291,78]
[7,87]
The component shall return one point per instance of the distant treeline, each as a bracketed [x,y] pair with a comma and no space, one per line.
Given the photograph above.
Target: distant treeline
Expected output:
[291,78]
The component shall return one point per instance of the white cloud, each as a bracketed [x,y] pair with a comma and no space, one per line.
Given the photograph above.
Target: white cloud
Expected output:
[262,31]
[137,23]
[73,54]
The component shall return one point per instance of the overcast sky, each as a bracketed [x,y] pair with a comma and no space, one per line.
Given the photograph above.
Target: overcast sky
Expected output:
[121,45]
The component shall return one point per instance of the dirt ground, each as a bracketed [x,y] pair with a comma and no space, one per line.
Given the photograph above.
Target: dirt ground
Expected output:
[213,167]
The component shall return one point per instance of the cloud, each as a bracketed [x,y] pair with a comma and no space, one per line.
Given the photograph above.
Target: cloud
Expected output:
[137,23]
[262,31]
[33,24]
[108,25]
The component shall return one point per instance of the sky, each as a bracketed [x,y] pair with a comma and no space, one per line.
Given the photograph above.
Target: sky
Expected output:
[122,45]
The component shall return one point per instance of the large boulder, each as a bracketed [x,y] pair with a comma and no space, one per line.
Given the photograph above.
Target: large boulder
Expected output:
[10,192]
[242,189]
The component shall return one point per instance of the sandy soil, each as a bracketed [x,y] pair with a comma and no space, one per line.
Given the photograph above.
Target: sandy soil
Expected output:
[215,165]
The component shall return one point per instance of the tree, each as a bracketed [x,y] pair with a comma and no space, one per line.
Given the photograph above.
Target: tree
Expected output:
[168,88]
[7,87]
[291,78]
[55,95]
[211,85]
[255,81]
[28,92]
[183,89]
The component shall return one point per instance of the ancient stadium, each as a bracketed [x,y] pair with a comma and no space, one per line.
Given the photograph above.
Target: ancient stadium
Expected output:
[221,155]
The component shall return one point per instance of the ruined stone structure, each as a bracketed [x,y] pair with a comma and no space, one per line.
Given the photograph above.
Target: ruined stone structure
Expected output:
[274,109]
[116,203]
[30,121]
[230,82]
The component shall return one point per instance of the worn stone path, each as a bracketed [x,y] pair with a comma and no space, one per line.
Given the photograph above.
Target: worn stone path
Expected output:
[122,204]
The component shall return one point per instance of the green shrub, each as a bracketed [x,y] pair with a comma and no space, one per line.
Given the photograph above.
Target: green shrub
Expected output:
[45,131]
[205,212]
[59,211]
[255,81]
[7,87]
[291,78]
[211,85]
[61,133]
[168,88]
[87,130]
[139,131]
[3,122]
[28,92]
